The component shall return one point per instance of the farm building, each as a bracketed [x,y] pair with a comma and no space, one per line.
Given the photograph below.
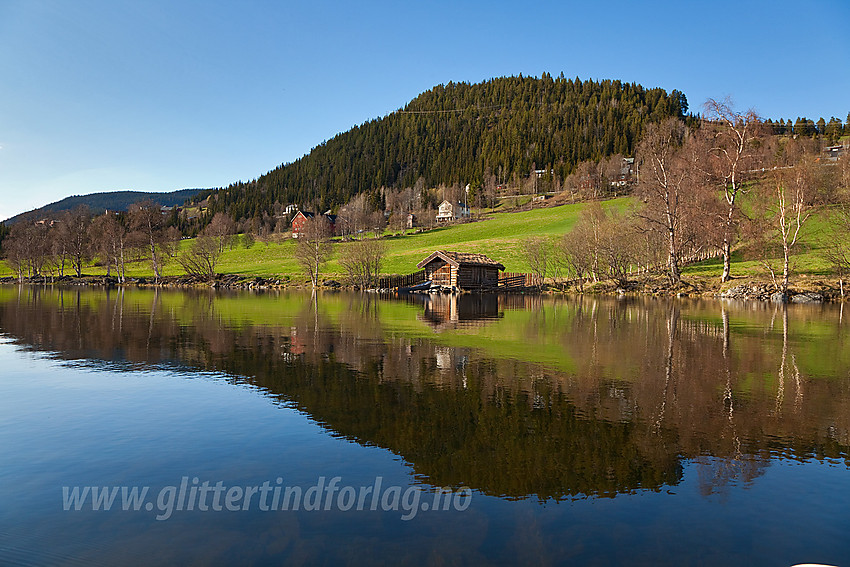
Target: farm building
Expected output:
[301,217]
[461,270]
[448,211]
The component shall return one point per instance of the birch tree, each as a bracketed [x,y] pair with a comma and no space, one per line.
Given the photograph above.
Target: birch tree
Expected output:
[671,195]
[74,228]
[112,235]
[362,261]
[732,160]
[147,221]
[791,195]
[314,247]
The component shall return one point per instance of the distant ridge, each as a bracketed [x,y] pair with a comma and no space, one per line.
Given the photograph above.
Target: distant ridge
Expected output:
[112,200]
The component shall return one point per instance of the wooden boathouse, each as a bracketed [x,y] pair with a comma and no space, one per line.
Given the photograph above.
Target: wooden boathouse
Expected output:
[461,270]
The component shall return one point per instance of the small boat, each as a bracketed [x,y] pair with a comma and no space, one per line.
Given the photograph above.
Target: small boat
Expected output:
[424,286]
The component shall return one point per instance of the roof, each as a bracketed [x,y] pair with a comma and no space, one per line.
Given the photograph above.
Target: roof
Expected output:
[458,259]
[309,215]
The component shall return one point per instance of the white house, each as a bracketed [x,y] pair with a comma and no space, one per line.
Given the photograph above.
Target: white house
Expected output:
[452,211]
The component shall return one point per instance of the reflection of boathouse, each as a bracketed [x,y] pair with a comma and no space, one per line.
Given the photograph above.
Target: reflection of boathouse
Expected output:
[461,270]
[450,311]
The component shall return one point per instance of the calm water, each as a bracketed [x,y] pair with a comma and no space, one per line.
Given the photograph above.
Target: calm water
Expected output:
[589,431]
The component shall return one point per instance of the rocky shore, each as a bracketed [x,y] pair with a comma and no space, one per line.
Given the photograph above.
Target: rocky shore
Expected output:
[765,292]
[221,281]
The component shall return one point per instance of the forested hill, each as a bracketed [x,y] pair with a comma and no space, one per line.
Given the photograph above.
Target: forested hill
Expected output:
[111,200]
[460,133]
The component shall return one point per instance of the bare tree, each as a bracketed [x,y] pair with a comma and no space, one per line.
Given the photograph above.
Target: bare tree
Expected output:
[202,258]
[587,181]
[575,256]
[59,249]
[601,245]
[314,247]
[843,178]
[400,204]
[13,250]
[170,245]
[362,261]
[732,158]
[588,236]
[398,222]
[353,218]
[110,237]
[147,221]
[99,242]
[222,229]
[619,249]
[377,223]
[610,170]
[836,249]
[74,227]
[28,248]
[537,251]
[670,194]
[790,195]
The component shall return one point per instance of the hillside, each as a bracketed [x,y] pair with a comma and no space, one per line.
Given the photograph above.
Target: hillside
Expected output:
[498,130]
[111,200]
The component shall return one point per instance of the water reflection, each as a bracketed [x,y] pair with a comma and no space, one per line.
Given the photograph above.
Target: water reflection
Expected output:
[451,311]
[519,396]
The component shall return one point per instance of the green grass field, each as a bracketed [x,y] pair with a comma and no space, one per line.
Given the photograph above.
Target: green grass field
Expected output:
[500,236]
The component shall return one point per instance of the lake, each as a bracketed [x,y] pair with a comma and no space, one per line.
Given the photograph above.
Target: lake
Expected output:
[146,426]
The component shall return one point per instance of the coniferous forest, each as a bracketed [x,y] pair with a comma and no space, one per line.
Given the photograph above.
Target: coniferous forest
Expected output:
[459,133]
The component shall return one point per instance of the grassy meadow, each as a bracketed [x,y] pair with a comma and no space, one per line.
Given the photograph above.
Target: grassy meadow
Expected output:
[499,236]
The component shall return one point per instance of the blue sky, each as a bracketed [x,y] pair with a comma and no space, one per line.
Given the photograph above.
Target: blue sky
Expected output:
[164,95]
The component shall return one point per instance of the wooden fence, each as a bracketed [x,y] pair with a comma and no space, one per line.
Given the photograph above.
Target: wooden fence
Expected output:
[392,282]
[685,260]
[510,280]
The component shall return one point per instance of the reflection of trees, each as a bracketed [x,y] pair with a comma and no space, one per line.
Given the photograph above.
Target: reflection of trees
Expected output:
[716,474]
[786,367]
[672,327]
[654,382]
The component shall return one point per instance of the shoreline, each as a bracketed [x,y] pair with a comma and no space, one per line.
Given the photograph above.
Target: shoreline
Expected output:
[742,289]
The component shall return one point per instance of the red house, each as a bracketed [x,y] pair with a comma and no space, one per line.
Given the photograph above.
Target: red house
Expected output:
[302,216]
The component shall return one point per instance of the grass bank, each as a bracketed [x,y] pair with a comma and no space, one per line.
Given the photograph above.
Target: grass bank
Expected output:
[499,235]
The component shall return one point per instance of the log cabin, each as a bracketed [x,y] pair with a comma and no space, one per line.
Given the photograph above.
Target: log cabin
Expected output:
[461,270]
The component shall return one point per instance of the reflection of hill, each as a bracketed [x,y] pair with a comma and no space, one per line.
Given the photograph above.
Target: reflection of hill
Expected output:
[655,382]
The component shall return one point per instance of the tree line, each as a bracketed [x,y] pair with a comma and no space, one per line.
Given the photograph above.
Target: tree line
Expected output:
[830,131]
[63,245]
[702,190]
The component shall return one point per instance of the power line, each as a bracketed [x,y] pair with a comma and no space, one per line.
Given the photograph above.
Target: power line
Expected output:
[454,110]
